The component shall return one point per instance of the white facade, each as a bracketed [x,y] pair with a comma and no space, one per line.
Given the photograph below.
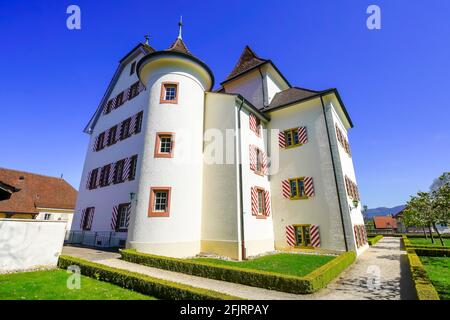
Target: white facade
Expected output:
[217,197]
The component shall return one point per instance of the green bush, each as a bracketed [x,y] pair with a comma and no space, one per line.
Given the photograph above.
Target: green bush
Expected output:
[424,288]
[141,283]
[429,251]
[410,235]
[374,240]
[263,279]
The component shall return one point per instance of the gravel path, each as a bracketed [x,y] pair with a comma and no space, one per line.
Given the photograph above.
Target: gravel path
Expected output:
[384,259]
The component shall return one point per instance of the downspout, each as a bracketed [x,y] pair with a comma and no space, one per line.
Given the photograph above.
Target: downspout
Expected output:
[262,87]
[334,172]
[241,203]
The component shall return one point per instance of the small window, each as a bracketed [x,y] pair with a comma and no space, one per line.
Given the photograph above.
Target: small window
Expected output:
[291,137]
[93,179]
[133,165]
[164,145]
[261,202]
[159,202]
[169,92]
[259,161]
[87,219]
[119,99]
[303,236]
[47,216]
[104,175]
[122,217]
[125,129]
[297,188]
[133,68]
[118,171]
[112,136]
[134,90]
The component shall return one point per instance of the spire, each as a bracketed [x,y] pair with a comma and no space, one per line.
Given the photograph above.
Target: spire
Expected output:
[146,39]
[180,25]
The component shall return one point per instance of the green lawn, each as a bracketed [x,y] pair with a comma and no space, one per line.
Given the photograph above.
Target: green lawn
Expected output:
[438,269]
[285,263]
[427,242]
[52,285]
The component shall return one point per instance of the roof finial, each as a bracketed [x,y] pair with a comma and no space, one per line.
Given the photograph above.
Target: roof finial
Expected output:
[146,39]
[180,24]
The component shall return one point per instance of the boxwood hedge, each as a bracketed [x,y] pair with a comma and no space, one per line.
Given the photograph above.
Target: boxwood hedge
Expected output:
[374,240]
[423,250]
[263,279]
[424,288]
[141,283]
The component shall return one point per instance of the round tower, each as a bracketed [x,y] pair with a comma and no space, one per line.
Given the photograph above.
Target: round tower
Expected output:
[166,214]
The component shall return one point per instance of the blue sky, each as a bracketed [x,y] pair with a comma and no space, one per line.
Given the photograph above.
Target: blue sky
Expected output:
[392,80]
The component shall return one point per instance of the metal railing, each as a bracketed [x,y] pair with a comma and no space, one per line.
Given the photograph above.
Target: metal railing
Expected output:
[103,239]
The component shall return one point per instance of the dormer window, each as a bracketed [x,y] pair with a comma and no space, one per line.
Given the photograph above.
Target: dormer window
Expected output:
[133,68]
[169,92]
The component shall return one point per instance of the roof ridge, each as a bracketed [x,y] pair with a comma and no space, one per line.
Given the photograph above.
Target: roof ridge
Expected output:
[32,173]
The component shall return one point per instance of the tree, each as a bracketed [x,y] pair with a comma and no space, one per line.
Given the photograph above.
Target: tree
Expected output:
[441,202]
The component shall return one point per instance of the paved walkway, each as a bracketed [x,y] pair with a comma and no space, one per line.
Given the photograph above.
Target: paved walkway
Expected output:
[385,257]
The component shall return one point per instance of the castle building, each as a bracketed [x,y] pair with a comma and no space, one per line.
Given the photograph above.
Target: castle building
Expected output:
[176,168]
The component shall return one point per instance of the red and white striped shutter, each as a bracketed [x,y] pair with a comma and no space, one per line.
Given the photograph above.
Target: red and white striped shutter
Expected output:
[126,168]
[94,147]
[83,215]
[309,187]
[128,215]
[265,165]
[88,179]
[141,87]
[286,188]
[115,213]
[267,203]
[252,157]
[315,236]
[126,95]
[111,174]
[361,235]
[252,122]
[133,124]
[282,139]
[91,218]
[302,135]
[290,236]
[355,228]
[254,195]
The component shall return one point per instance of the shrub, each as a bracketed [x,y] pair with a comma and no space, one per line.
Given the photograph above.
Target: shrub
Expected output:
[141,283]
[263,279]
[424,288]
[374,240]
[428,251]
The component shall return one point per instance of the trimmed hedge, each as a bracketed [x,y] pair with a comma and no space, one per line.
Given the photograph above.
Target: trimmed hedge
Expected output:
[374,240]
[428,251]
[310,283]
[410,235]
[424,288]
[141,283]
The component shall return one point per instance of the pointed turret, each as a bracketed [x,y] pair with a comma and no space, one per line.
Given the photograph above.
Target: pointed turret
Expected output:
[248,60]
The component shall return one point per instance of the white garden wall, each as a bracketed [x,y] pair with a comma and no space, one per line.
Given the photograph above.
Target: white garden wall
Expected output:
[26,244]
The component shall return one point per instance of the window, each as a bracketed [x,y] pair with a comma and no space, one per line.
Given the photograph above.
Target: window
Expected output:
[122,217]
[133,165]
[169,92]
[104,175]
[259,161]
[164,145]
[112,136]
[302,235]
[261,202]
[133,68]
[93,179]
[118,171]
[119,99]
[159,202]
[100,142]
[291,137]
[297,186]
[134,90]
[47,216]
[87,219]
[125,129]
[138,123]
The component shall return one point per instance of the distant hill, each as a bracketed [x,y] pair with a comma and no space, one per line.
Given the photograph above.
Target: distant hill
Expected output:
[383,211]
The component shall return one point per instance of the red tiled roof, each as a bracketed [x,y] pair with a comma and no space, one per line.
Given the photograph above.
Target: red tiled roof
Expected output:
[36,191]
[385,223]
[248,60]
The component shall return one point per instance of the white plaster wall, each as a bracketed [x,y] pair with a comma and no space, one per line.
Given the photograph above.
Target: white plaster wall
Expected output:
[179,234]
[312,160]
[57,216]
[27,243]
[249,86]
[258,232]
[105,198]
